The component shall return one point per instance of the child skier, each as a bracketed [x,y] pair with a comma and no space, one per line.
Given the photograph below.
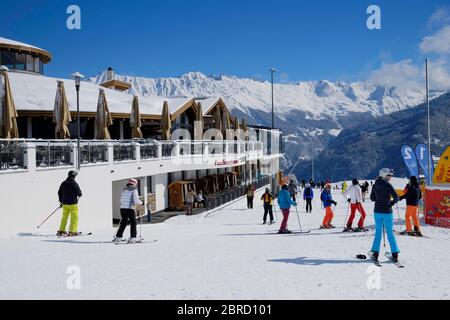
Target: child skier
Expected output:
[354,195]
[69,192]
[412,196]
[385,197]
[308,196]
[267,199]
[285,202]
[128,202]
[327,200]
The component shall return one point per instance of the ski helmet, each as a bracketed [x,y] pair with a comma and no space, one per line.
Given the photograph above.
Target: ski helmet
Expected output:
[72,174]
[133,182]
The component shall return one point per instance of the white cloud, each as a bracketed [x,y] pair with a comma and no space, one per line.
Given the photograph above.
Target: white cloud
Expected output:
[439,75]
[437,43]
[403,74]
[439,18]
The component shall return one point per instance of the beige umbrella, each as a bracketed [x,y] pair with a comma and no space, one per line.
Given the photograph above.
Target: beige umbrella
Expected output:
[166,123]
[217,119]
[8,115]
[135,120]
[199,120]
[103,118]
[61,113]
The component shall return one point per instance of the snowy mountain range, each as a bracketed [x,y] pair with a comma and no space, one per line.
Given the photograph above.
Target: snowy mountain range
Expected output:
[311,113]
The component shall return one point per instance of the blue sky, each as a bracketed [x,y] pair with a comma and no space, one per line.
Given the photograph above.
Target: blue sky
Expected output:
[305,40]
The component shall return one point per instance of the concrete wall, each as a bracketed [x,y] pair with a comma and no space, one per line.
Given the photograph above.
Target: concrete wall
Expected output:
[161,192]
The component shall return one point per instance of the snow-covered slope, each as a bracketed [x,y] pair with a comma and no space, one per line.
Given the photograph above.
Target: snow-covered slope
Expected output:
[313,97]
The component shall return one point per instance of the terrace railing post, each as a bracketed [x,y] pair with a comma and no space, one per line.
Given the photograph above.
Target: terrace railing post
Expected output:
[74,155]
[137,151]
[110,153]
[29,156]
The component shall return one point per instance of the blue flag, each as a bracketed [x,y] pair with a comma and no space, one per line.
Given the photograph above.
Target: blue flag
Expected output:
[422,157]
[410,160]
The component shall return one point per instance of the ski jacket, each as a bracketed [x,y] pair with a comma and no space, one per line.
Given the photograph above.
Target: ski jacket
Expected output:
[353,193]
[284,200]
[190,197]
[250,192]
[412,196]
[292,188]
[200,197]
[129,198]
[267,198]
[69,192]
[384,196]
[327,199]
[308,193]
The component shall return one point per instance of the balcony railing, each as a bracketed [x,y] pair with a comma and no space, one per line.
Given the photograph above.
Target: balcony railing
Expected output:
[93,153]
[124,151]
[54,154]
[11,155]
[149,151]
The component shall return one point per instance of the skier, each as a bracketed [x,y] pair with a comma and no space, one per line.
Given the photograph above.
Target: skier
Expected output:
[69,193]
[303,183]
[128,202]
[412,195]
[327,200]
[385,197]
[285,202]
[267,199]
[344,186]
[292,187]
[308,196]
[250,196]
[354,195]
[364,190]
[190,195]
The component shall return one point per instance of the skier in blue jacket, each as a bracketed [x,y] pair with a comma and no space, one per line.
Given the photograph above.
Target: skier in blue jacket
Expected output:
[327,200]
[285,202]
[308,196]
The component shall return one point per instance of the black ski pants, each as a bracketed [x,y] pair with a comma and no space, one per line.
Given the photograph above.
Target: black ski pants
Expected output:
[309,205]
[268,210]
[128,215]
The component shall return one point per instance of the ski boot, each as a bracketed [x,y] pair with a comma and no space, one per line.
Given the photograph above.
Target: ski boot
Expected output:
[407,233]
[395,257]
[271,222]
[284,231]
[417,232]
[322,227]
[73,234]
[264,223]
[330,226]
[348,229]
[61,233]
[133,240]
[117,240]
[361,229]
[374,256]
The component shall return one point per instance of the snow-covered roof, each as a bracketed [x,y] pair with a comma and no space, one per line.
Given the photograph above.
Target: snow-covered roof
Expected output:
[207,103]
[12,44]
[37,93]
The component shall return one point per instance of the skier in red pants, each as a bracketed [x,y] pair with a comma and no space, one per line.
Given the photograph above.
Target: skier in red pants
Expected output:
[285,202]
[355,198]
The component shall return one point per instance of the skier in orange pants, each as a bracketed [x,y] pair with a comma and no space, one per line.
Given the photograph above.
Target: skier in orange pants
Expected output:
[327,200]
[412,196]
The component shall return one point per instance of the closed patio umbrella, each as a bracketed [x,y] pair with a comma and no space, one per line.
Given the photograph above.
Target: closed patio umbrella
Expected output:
[236,127]
[199,120]
[103,118]
[166,124]
[135,120]
[61,113]
[244,128]
[225,123]
[8,112]
[217,119]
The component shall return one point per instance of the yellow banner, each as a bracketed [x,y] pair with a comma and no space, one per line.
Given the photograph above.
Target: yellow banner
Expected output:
[442,171]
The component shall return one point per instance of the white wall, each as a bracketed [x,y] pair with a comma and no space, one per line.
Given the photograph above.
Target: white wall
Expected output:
[161,192]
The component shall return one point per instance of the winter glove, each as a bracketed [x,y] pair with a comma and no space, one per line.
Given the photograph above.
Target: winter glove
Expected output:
[349,200]
[60,205]
[335,203]
[295,204]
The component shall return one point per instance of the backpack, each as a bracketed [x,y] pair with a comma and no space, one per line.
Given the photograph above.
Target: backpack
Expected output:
[308,192]
[322,198]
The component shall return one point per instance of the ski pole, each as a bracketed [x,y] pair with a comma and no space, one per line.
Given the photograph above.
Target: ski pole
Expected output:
[384,237]
[298,217]
[346,216]
[59,207]
[275,211]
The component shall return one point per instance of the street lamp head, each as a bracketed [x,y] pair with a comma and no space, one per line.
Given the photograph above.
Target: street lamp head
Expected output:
[77,76]
[273,70]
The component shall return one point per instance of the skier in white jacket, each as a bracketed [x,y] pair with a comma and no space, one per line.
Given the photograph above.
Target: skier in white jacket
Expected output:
[128,202]
[354,196]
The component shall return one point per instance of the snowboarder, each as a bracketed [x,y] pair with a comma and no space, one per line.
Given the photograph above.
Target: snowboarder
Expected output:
[69,193]
[128,202]
[385,197]
[308,196]
[285,202]
[327,200]
[412,195]
[250,193]
[267,199]
[354,196]
[292,187]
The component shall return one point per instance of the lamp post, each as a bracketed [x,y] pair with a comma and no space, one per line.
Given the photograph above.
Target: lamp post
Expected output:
[272,71]
[78,76]
[430,161]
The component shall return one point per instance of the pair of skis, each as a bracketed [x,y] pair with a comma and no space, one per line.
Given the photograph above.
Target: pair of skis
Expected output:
[391,259]
[78,235]
[138,241]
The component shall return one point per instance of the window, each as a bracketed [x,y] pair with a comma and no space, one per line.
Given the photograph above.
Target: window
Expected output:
[8,59]
[30,63]
[36,65]
[149,185]
[20,61]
